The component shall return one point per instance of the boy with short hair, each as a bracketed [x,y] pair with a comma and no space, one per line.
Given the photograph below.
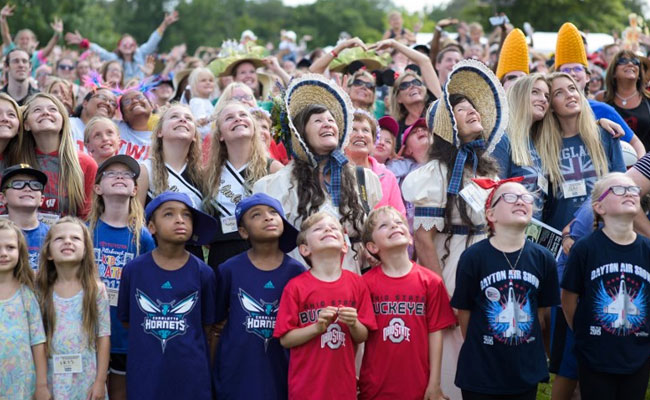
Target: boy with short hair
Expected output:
[324,313]
[249,286]
[167,298]
[22,194]
[403,356]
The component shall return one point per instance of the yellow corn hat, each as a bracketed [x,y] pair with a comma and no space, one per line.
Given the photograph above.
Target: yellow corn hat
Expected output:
[514,54]
[569,47]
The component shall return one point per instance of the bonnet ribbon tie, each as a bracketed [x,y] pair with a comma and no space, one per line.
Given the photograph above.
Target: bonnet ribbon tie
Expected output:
[335,162]
[467,150]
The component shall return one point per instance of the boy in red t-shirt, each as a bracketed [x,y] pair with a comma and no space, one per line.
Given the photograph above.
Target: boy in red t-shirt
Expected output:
[324,313]
[402,357]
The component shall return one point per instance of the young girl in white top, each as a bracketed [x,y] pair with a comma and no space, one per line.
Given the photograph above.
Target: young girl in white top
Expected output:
[202,84]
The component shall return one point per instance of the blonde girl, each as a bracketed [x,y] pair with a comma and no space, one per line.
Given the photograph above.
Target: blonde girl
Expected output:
[202,84]
[175,159]
[116,221]
[237,160]
[75,311]
[11,130]
[101,139]
[605,296]
[48,144]
[22,339]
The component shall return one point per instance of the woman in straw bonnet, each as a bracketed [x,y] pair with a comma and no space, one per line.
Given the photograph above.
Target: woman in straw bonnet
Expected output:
[467,121]
[318,122]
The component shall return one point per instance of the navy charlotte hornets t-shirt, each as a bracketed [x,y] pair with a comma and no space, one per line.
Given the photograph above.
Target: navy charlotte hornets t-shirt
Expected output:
[611,322]
[250,362]
[166,312]
[503,352]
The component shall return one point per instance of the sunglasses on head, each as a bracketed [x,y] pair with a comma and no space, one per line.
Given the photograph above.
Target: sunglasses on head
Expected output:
[625,60]
[20,184]
[510,78]
[406,85]
[359,83]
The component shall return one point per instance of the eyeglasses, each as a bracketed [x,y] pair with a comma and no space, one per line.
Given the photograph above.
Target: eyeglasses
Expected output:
[576,69]
[406,85]
[106,99]
[244,97]
[66,67]
[137,97]
[20,184]
[118,174]
[360,83]
[625,60]
[510,78]
[512,198]
[619,190]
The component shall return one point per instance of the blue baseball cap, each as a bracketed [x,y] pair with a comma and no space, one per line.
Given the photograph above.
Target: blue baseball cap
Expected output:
[289,234]
[204,226]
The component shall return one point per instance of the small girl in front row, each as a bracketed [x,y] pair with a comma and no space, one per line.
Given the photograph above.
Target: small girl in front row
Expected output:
[23,362]
[202,84]
[502,284]
[75,311]
[606,296]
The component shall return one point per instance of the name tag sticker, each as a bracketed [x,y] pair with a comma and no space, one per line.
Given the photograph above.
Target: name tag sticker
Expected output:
[228,224]
[475,197]
[542,182]
[112,296]
[573,189]
[67,363]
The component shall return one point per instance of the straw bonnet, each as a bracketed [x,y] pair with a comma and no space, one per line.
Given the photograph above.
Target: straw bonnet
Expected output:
[315,89]
[478,83]
[232,54]
[370,59]
[569,47]
[514,54]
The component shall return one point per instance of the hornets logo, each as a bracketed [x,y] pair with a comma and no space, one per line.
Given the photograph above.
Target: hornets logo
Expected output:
[165,320]
[261,316]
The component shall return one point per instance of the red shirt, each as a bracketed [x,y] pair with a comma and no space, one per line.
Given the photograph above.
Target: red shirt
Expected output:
[323,368]
[396,358]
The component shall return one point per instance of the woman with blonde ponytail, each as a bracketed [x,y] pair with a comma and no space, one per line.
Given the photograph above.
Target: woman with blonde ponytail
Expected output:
[48,144]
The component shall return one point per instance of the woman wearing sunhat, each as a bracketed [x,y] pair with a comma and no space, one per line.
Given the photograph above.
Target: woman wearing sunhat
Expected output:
[318,122]
[466,122]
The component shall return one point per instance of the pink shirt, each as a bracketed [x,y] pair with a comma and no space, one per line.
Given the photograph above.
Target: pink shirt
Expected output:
[392,196]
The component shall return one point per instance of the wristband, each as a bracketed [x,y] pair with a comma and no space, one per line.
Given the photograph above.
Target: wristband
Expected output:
[85,43]
[334,53]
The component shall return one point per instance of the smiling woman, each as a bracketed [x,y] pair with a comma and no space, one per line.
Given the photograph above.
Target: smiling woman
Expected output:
[134,129]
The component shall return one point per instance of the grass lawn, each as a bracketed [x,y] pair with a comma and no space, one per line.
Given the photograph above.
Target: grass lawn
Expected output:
[544,391]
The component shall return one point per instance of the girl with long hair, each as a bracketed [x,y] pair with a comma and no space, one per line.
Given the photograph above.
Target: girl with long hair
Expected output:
[319,178]
[11,130]
[48,144]
[75,311]
[237,160]
[448,216]
[116,221]
[22,354]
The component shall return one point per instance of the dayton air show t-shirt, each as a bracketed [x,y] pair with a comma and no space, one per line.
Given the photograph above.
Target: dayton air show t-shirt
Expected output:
[613,284]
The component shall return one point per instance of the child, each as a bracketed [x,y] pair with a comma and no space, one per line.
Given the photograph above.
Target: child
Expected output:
[75,311]
[167,299]
[22,339]
[22,193]
[102,139]
[248,293]
[502,285]
[202,85]
[116,221]
[605,296]
[402,357]
[324,313]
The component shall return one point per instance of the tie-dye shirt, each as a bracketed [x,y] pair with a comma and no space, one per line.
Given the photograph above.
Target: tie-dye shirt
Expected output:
[21,327]
[69,338]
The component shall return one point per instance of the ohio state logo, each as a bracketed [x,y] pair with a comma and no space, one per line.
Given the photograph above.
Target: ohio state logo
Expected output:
[333,337]
[397,331]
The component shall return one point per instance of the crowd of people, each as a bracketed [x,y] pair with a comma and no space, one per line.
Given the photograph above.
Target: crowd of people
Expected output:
[333,223]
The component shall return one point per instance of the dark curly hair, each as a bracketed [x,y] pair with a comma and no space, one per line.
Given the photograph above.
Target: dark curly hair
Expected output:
[310,191]
[446,153]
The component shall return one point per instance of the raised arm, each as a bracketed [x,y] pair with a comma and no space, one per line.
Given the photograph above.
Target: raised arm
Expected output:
[75,38]
[7,11]
[434,46]
[273,64]
[57,27]
[319,66]
[151,44]
[426,68]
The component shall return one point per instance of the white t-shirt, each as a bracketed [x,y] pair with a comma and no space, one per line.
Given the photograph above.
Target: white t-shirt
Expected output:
[202,108]
[134,143]
[77,128]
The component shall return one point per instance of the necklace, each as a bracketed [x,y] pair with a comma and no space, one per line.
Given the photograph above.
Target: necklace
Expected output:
[513,267]
[625,99]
